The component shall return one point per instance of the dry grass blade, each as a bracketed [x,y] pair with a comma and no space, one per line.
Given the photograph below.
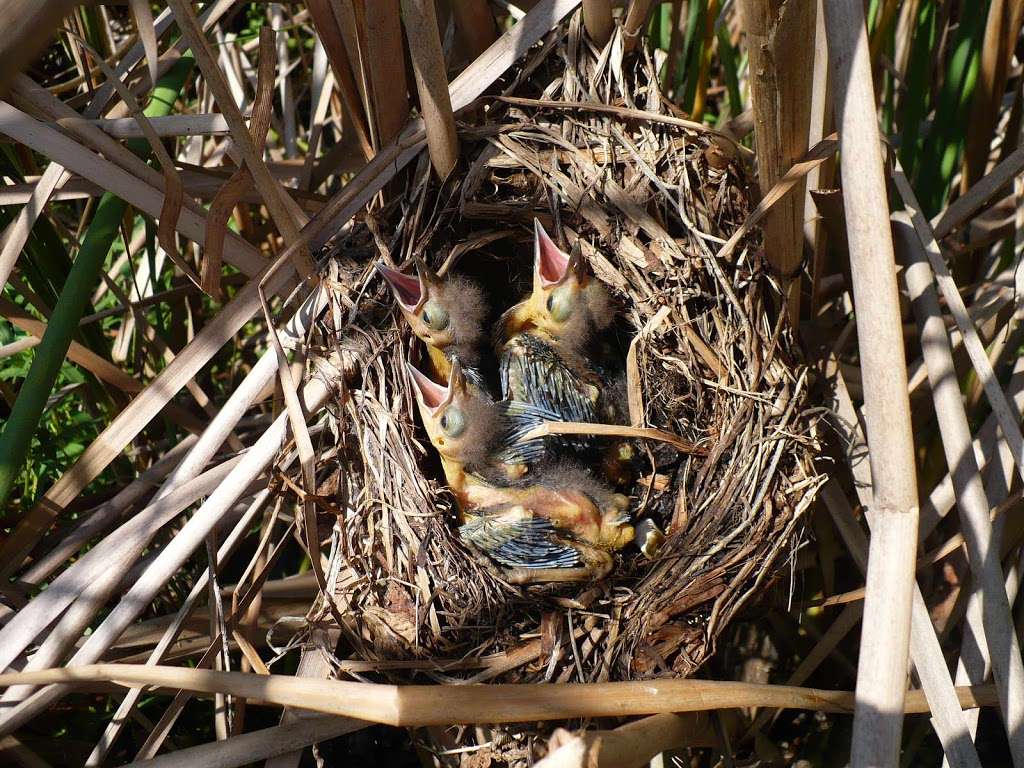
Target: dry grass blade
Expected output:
[968,203]
[251,465]
[29,24]
[1006,415]
[1002,651]
[416,705]
[885,638]
[125,185]
[951,725]
[143,16]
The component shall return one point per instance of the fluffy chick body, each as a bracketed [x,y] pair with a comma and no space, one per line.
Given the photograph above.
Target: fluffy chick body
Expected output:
[537,520]
[545,342]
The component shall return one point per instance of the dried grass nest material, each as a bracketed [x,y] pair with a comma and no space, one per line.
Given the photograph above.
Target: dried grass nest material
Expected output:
[709,356]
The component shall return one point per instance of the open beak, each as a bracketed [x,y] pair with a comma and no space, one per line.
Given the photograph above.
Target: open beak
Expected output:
[433,396]
[550,262]
[408,290]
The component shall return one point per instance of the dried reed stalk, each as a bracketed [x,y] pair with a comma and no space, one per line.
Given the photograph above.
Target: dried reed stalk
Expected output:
[997,644]
[28,26]
[948,719]
[247,748]
[431,84]
[388,89]
[782,69]
[418,705]
[885,636]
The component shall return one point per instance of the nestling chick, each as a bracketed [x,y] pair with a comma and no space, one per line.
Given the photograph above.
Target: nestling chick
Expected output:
[478,439]
[555,524]
[544,342]
[446,314]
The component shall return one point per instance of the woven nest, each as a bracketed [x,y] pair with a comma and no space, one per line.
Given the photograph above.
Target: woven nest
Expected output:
[705,348]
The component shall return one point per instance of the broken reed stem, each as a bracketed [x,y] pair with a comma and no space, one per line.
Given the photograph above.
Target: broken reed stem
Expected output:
[612,430]
[781,72]
[418,705]
[636,21]
[885,636]
[597,18]
[431,84]
[997,644]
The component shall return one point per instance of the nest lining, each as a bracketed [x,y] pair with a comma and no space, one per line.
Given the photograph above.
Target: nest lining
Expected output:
[708,356]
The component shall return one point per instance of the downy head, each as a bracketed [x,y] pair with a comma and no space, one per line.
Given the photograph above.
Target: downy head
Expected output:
[447,314]
[463,424]
[567,302]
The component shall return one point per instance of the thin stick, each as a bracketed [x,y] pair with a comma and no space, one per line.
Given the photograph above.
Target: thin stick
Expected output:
[418,705]
[431,84]
[612,430]
[885,636]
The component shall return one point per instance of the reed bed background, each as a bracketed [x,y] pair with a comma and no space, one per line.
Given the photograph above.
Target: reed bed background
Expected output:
[218,518]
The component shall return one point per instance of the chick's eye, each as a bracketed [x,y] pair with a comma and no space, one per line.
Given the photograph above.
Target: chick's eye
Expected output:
[435,316]
[453,423]
[560,304]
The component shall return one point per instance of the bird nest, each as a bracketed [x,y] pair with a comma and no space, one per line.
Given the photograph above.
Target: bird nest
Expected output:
[585,142]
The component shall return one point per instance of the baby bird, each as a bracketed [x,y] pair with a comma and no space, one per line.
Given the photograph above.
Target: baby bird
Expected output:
[447,315]
[545,340]
[538,523]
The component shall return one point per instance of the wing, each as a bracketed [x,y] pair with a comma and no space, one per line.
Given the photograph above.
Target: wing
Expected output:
[518,419]
[515,538]
[532,371]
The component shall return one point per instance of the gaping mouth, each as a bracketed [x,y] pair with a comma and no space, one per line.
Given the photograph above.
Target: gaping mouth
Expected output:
[433,395]
[407,288]
[551,261]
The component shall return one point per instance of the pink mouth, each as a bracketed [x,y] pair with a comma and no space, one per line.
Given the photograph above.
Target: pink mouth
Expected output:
[551,261]
[432,393]
[407,289]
